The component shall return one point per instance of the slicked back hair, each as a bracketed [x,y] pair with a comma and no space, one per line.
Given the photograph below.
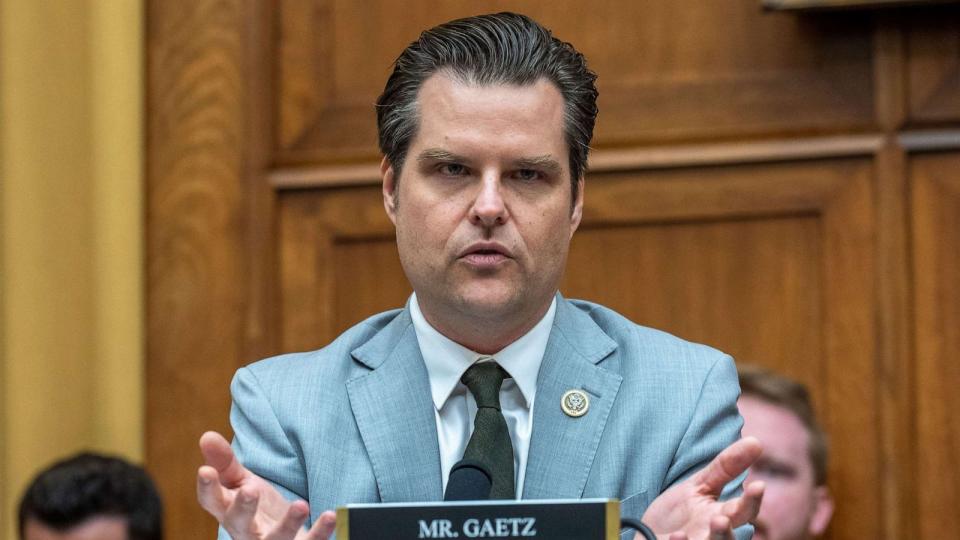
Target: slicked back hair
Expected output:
[501,48]
[90,485]
[778,390]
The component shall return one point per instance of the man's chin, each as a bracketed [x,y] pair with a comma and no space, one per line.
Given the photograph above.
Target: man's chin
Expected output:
[489,306]
[498,302]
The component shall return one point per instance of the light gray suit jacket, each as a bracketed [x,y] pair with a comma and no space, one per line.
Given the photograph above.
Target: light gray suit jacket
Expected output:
[354,422]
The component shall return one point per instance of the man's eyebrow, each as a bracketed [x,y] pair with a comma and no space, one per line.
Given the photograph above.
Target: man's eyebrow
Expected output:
[437,154]
[544,162]
[770,461]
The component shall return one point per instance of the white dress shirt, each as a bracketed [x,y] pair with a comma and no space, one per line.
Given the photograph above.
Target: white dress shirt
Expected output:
[454,405]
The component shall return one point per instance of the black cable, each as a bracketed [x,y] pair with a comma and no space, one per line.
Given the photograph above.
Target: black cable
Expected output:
[638,526]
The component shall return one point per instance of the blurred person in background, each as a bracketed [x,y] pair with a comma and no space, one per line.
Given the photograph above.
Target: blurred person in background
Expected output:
[797,504]
[90,496]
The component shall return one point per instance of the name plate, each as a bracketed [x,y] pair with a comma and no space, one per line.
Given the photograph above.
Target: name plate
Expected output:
[583,519]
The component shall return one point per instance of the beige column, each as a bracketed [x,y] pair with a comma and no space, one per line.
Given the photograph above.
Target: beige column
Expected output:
[71,251]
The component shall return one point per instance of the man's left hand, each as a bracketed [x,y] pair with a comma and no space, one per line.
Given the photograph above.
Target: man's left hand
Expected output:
[692,510]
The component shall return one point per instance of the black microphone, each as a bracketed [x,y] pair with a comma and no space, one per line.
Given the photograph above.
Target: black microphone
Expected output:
[469,481]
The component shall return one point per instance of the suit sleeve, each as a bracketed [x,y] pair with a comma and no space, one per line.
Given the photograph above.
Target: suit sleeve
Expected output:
[260,441]
[714,425]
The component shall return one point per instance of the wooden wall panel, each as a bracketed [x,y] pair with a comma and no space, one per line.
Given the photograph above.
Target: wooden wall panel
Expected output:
[748,189]
[674,74]
[936,264]
[771,263]
[750,287]
[933,64]
[338,263]
[195,250]
[209,233]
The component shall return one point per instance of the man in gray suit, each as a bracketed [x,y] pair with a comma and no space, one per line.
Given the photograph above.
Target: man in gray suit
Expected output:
[485,126]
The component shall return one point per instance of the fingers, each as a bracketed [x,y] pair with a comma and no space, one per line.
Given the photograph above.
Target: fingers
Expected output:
[239,517]
[730,463]
[291,523]
[218,454]
[232,494]
[745,508]
[242,520]
[211,495]
[324,526]
[720,528]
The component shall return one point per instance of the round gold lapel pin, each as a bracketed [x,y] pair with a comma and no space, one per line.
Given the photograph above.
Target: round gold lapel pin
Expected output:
[575,403]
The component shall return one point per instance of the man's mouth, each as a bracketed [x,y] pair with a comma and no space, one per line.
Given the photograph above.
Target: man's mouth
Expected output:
[485,254]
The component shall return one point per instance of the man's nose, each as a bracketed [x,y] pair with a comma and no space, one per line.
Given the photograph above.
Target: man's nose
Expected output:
[489,208]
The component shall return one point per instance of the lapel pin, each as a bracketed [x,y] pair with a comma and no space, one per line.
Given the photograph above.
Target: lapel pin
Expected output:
[575,403]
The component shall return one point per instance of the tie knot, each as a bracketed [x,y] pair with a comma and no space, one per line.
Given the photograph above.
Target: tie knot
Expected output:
[484,380]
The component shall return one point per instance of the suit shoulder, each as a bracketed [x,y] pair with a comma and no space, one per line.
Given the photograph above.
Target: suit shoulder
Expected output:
[649,344]
[661,369]
[333,359]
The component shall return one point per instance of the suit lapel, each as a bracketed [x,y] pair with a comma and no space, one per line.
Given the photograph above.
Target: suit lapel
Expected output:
[395,414]
[562,448]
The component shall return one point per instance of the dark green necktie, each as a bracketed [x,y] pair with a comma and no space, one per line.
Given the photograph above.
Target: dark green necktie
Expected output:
[490,443]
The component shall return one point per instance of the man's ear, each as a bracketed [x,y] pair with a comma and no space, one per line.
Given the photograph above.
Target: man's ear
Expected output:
[576,213]
[389,189]
[822,511]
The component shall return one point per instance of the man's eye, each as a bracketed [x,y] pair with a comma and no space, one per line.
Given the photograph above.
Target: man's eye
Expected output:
[773,470]
[452,169]
[527,174]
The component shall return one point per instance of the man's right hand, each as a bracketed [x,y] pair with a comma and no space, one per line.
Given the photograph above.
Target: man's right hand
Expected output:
[247,506]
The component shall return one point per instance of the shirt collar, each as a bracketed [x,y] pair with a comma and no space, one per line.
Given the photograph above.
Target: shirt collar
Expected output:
[447,360]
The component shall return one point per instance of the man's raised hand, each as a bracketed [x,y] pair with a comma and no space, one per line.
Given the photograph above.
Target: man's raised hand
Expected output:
[247,506]
[692,510]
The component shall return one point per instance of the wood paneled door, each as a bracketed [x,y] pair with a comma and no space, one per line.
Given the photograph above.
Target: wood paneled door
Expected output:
[781,186]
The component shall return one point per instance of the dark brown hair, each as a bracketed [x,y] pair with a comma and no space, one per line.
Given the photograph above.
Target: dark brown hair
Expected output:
[86,485]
